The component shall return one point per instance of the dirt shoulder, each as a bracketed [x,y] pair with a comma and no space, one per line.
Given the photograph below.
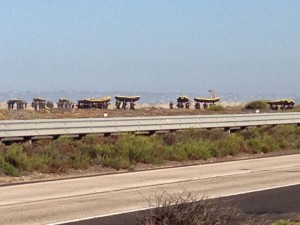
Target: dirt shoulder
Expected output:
[56,113]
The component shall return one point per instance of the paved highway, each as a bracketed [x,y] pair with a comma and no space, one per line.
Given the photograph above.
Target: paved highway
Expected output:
[271,205]
[65,200]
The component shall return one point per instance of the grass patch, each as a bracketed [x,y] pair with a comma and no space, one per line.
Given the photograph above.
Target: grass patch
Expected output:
[285,222]
[216,108]
[126,151]
[258,104]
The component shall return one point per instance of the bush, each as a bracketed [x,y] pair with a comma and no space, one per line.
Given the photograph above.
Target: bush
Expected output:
[62,154]
[197,149]
[185,208]
[41,163]
[139,149]
[230,145]
[258,104]
[169,139]
[8,169]
[188,134]
[93,140]
[216,108]
[263,143]
[118,162]
[287,136]
[15,156]
[175,153]
[122,152]
[96,153]
[285,222]
[212,135]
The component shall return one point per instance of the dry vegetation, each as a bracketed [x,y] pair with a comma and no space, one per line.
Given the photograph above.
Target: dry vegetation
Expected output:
[98,113]
[126,152]
[187,209]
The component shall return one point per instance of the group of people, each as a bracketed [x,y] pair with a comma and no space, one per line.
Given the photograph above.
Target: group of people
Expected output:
[37,105]
[281,106]
[16,104]
[65,105]
[87,105]
[122,104]
[181,105]
[19,104]
[42,104]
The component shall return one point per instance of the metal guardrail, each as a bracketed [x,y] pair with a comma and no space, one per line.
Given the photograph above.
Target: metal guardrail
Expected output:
[52,127]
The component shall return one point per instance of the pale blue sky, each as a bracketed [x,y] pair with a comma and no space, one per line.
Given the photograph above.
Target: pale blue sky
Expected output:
[150,45]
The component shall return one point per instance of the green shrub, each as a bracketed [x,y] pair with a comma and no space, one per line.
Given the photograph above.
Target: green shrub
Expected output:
[188,134]
[15,156]
[285,222]
[169,138]
[93,140]
[197,149]
[62,154]
[263,143]
[216,108]
[175,153]
[138,149]
[287,136]
[95,152]
[258,104]
[7,169]
[212,135]
[122,152]
[230,145]
[80,160]
[40,163]
[117,162]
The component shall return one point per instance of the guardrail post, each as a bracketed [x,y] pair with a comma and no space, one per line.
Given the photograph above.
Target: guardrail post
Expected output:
[227,129]
[151,132]
[55,137]
[107,134]
[81,136]
[28,140]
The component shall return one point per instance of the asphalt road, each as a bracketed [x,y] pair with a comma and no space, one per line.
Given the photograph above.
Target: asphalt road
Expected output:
[74,199]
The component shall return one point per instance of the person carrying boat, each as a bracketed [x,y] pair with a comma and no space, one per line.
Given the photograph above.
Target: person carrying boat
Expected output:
[118,104]
[187,105]
[124,105]
[132,105]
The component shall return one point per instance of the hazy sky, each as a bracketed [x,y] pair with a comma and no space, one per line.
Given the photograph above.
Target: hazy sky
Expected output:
[150,45]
